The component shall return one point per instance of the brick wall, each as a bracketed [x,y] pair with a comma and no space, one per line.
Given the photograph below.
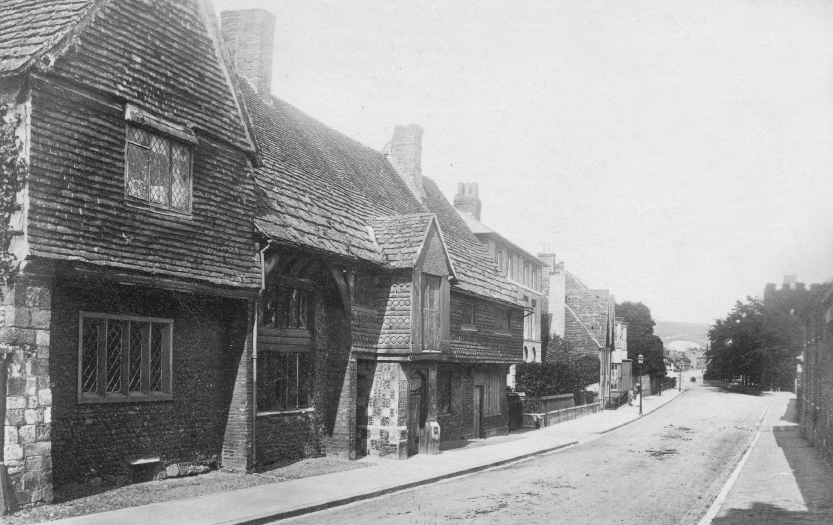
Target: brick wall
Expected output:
[815,397]
[93,441]
[25,339]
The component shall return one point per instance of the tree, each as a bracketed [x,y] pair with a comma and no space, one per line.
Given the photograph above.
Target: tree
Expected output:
[757,342]
[641,338]
[567,371]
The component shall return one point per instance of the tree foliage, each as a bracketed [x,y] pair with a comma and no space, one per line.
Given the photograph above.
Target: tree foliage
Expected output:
[12,178]
[757,342]
[566,371]
[641,338]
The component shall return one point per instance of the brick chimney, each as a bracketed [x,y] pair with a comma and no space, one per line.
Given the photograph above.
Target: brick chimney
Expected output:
[250,37]
[405,154]
[467,200]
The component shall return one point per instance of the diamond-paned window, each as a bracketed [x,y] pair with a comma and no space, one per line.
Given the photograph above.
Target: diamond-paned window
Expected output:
[158,169]
[124,358]
[155,358]
[114,355]
[89,356]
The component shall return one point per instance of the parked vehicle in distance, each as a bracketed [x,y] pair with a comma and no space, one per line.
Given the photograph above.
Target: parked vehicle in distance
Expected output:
[693,380]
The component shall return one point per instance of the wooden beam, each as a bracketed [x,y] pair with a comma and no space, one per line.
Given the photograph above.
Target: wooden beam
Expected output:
[342,279]
[271,261]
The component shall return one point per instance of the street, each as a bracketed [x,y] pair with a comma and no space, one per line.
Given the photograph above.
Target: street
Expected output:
[665,468]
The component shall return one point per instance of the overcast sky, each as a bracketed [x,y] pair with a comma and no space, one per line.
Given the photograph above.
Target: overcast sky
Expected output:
[677,153]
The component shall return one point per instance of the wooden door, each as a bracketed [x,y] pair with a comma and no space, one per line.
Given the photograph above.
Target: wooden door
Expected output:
[478,411]
[416,411]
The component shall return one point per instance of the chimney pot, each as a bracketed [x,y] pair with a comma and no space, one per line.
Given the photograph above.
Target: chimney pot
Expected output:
[467,199]
[250,37]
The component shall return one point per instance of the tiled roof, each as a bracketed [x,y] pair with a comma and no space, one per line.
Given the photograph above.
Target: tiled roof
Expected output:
[161,56]
[475,268]
[320,189]
[28,28]
[481,230]
[307,190]
[400,237]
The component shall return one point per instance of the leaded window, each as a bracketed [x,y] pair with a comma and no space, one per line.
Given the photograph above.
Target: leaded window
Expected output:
[503,320]
[124,358]
[158,169]
[287,308]
[468,315]
[284,381]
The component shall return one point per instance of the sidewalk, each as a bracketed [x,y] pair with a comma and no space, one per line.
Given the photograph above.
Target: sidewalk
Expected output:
[264,503]
[783,479]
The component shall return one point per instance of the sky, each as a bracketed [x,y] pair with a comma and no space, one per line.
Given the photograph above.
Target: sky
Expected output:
[676,153]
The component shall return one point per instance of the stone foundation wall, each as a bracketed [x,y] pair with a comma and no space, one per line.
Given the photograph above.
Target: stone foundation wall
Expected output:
[25,338]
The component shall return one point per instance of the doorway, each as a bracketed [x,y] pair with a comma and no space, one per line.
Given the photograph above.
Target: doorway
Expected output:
[416,410]
[478,411]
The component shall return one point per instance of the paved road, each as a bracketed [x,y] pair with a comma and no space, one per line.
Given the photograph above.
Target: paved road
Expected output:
[665,469]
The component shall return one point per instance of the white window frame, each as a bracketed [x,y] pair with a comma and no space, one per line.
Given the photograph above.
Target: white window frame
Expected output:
[166,394]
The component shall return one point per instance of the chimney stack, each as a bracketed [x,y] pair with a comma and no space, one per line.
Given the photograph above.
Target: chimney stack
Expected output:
[467,200]
[250,36]
[405,154]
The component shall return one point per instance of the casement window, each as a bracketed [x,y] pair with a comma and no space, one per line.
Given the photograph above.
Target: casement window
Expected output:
[122,358]
[431,319]
[503,320]
[158,169]
[468,316]
[284,381]
[287,308]
[444,390]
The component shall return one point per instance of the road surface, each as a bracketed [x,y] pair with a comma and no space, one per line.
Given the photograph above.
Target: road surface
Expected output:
[666,468]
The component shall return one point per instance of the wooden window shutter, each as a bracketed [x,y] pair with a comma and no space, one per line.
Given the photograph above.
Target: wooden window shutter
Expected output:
[445,314]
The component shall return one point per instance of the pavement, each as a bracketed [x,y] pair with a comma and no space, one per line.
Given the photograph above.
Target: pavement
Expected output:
[781,479]
[267,503]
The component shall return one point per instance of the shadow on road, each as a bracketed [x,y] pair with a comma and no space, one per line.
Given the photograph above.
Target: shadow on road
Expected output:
[807,471]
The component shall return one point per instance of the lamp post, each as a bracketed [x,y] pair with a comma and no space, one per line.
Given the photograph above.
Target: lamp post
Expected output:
[640,359]
[680,366]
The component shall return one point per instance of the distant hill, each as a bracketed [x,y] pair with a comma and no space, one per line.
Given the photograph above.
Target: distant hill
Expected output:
[670,331]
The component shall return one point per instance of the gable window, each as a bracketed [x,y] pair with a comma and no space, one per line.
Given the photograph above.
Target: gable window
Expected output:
[124,358]
[158,170]
[503,320]
[468,316]
[431,321]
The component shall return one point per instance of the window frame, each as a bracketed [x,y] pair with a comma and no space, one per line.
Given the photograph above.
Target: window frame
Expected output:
[501,312]
[463,324]
[125,395]
[138,201]
[308,406]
